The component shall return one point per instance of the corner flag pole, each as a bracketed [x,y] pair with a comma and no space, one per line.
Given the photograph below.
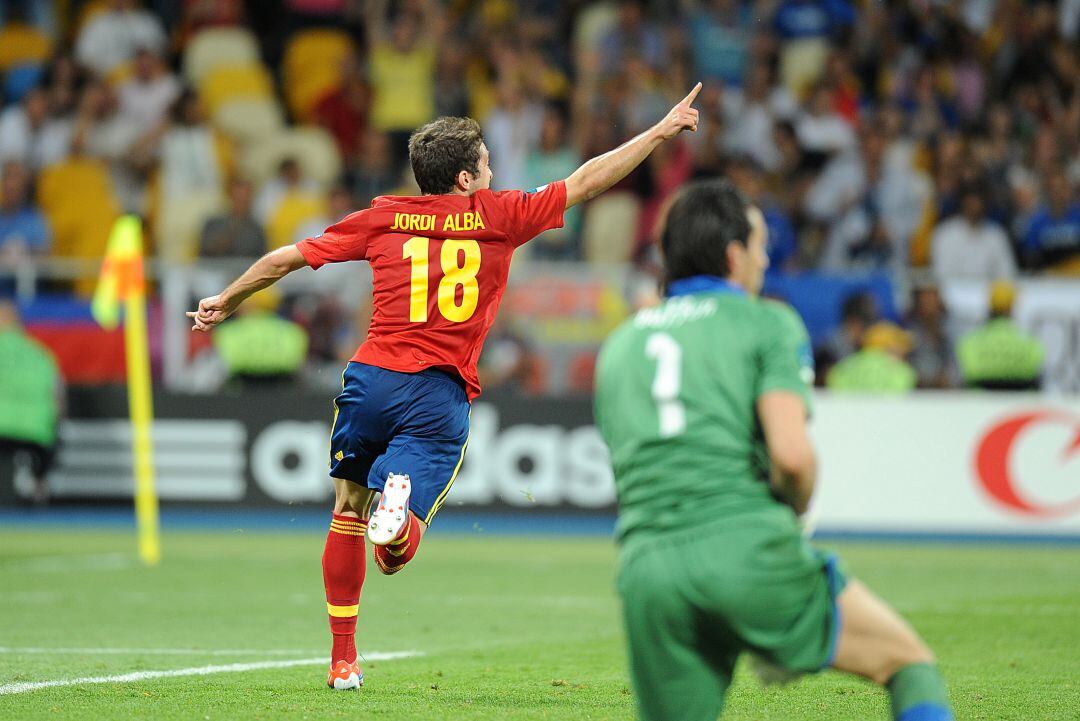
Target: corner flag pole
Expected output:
[122,278]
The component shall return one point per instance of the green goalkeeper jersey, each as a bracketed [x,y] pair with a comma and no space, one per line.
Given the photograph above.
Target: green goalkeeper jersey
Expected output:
[676,392]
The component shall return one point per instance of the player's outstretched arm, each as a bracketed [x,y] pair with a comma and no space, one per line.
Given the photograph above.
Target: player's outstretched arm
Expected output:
[263,273]
[783,420]
[603,171]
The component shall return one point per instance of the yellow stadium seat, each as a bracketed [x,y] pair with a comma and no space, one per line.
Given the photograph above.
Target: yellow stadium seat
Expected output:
[180,223]
[219,47]
[305,92]
[312,67]
[234,82]
[294,210]
[21,44]
[313,148]
[610,226]
[249,119]
[77,198]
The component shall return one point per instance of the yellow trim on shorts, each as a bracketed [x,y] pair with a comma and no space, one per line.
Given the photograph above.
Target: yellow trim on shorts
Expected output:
[342,611]
[333,423]
[442,496]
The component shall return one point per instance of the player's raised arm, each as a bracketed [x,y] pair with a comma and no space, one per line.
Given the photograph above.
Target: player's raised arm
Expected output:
[603,171]
[263,273]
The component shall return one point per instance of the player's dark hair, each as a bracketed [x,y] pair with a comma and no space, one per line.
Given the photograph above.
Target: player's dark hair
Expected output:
[443,148]
[707,215]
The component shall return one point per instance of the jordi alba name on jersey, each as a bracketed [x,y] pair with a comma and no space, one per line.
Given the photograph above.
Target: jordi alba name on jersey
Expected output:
[440,264]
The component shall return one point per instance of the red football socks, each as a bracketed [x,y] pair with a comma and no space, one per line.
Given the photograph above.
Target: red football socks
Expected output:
[344,561]
[392,557]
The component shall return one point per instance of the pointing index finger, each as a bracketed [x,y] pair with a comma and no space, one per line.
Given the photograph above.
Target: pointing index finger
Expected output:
[689,99]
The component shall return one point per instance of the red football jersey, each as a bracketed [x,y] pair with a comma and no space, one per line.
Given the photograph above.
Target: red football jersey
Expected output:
[440,264]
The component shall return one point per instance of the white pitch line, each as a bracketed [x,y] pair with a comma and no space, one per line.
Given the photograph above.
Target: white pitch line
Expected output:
[26,686]
[90,651]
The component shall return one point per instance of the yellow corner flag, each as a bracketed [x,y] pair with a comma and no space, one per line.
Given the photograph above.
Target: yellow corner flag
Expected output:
[122,279]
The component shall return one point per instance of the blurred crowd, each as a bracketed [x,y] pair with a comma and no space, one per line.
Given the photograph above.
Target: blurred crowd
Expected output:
[929,140]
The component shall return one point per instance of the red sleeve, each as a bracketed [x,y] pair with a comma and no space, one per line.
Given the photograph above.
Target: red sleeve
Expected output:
[528,214]
[344,240]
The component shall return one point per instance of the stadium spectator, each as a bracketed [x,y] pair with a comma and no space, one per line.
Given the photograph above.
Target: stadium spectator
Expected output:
[290,180]
[1000,355]
[113,37]
[553,158]
[235,234]
[749,178]
[669,168]
[708,145]
[339,203]
[451,80]
[402,55]
[259,347]
[752,114]
[100,131]
[62,82]
[970,245]
[932,354]
[344,110]
[632,35]
[795,171]
[374,173]
[145,98]
[202,14]
[31,400]
[857,314]
[22,45]
[643,95]
[31,135]
[885,202]
[719,33]
[511,131]
[820,128]
[41,14]
[879,367]
[1053,232]
[193,155]
[24,232]
[803,28]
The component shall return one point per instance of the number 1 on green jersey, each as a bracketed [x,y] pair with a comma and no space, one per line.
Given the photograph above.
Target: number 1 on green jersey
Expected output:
[667,383]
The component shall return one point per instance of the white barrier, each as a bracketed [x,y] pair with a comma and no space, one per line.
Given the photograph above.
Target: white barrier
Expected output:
[948,463]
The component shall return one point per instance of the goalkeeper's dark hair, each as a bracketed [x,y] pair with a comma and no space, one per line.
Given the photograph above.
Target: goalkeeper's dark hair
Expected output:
[443,148]
[705,217]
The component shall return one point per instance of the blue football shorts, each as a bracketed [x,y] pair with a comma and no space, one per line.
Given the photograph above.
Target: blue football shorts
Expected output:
[407,423]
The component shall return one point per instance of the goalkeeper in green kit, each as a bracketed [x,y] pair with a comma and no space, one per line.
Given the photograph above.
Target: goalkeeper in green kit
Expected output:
[703,402]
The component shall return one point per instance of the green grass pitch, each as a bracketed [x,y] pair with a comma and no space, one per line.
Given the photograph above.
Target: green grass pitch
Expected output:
[510,628]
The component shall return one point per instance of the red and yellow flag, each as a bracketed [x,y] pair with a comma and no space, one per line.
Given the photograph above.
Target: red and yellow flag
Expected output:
[121,272]
[122,281]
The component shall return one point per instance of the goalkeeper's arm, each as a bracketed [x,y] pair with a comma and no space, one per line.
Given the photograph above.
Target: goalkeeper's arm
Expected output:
[783,419]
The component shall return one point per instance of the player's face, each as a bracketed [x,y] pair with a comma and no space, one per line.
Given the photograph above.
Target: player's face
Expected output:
[748,264]
[482,180]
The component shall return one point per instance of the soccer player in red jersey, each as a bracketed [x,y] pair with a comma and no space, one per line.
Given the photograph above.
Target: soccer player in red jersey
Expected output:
[440,263]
